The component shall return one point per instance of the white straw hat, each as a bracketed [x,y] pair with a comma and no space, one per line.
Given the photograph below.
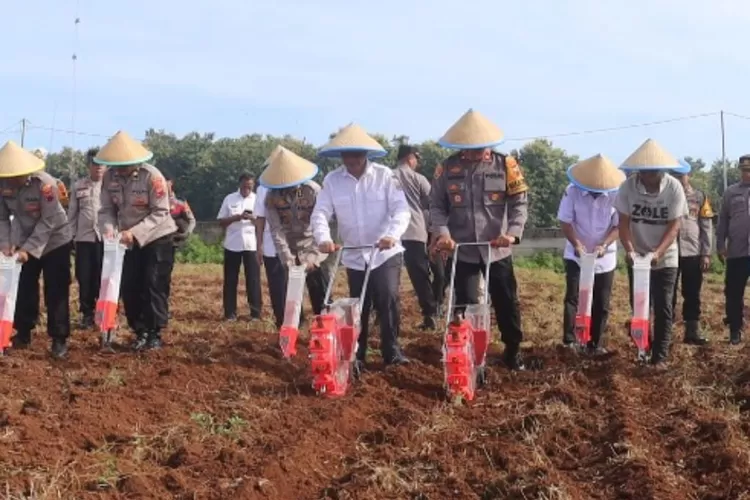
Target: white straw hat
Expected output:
[350,139]
[650,156]
[16,161]
[286,169]
[597,174]
[122,151]
[472,131]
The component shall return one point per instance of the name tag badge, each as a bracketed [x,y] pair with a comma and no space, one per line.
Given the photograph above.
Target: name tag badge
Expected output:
[83,192]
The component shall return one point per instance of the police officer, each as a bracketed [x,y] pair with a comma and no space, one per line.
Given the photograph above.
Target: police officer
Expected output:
[370,209]
[733,247]
[184,219]
[40,235]
[694,244]
[480,195]
[83,215]
[135,202]
[289,205]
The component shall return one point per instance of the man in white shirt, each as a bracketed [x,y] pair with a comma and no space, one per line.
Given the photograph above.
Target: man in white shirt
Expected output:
[371,209]
[240,245]
[275,273]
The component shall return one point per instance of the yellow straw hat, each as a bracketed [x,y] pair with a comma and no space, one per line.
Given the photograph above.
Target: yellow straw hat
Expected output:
[650,156]
[350,139]
[122,151]
[596,174]
[472,131]
[286,169]
[16,161]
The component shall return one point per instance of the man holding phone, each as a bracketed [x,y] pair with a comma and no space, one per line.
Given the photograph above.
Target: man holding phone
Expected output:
[240,247]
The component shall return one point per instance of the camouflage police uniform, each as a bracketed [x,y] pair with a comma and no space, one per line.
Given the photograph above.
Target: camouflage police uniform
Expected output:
[694,243]
[138,202]
[733,242]
[39,227]
[477,202]
[83,214]
[288,214]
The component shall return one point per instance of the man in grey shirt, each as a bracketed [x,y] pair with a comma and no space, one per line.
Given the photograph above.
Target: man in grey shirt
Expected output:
[651,206]
[417,191]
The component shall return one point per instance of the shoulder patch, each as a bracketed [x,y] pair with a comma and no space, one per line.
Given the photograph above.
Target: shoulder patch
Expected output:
[62,193]
[438,171]
[157,184]
[516,182]
[706,211]
[47,192]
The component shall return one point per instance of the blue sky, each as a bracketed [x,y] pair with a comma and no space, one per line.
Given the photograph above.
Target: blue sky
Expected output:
[412,67]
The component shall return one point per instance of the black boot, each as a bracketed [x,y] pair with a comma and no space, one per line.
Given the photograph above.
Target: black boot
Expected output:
[141,339]
[154,340]
[87,322]
[735,337]
[59,348]
[428,324]
[693,335]
[21,340]
[512,358]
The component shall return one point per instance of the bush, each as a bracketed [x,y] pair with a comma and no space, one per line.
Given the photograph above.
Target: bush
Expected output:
[196,251]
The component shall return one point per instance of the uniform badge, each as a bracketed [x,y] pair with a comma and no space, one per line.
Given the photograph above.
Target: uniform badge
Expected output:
[495,196]
[516,182]
[453,187]
[457,198]
[456,169]
[62,193]
[140,201]
[48,192]
[157,184]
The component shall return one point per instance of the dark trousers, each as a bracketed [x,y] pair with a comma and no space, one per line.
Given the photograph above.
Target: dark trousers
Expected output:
[276,277]
[503,292]
[418,267]
[232,263]
[690,276]
[735,280]
[440,278]
[382,293]
[145,285]
[661,297]
[89,255]
[55,267]
[599,305]
[171,270]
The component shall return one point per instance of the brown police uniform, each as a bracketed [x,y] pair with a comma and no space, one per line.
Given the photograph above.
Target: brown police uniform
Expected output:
[694,243]
[477,202]
[39,227]
[288,214]
[138,202]
[83,213]
[733,239]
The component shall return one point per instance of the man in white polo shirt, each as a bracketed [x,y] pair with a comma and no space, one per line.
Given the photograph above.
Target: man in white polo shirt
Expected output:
[370,207]
[237,218]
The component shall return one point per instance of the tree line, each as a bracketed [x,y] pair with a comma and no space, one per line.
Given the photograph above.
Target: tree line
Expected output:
[205,168]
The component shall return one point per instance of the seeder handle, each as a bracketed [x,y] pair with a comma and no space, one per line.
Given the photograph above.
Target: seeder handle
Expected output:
[451,287]
[332,279]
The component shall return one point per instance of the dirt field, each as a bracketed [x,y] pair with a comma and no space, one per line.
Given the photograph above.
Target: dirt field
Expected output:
[217,414]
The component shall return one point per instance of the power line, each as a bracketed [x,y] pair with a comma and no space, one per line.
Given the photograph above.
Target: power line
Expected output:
[65,131]
[743,117]
[12,129]
[614,129]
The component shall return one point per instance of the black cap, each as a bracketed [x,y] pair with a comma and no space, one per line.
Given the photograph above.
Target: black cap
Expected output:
[405,150]
[744,162]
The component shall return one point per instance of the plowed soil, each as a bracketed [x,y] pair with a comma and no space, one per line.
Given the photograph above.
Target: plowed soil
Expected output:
[218,414]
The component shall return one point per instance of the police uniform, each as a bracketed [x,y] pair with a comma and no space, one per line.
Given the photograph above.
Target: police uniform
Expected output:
[478,201]
[134,198]
[371,209]
[184,219]
[694,245]
[733,244]
[39,228]
[83,214]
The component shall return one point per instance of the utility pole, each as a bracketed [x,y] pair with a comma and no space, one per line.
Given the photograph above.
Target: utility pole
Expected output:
[23,130]
[723,151]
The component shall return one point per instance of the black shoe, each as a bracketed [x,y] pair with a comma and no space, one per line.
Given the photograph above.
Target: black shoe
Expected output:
[397,360]
[154,341]
[86,323]
[21,340]
[141,339]
[735,338]
[693,335]
[59,348]
[428,323]
[512,359]
[231,318]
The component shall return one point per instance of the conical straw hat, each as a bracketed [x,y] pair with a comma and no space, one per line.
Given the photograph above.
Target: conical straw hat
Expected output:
[650,156]
[472,131]
[597,174]
[122,151]
[352,138]
[684,168]
[286,169]
[275,151]
[16,161]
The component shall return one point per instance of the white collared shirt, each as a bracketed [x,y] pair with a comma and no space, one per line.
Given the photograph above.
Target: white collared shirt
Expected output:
[366,209]
[269,249]
[240,235]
